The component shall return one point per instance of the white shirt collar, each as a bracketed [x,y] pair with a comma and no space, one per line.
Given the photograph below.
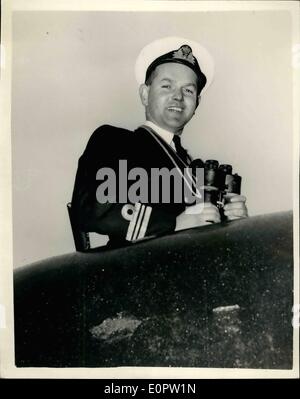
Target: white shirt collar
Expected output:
[164,134]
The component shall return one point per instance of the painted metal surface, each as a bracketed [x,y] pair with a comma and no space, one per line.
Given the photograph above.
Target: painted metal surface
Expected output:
[218,296]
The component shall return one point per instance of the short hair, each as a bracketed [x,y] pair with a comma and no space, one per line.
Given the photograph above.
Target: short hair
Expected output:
[151,77]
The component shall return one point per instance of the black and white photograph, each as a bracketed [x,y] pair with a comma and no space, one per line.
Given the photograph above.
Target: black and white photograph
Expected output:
[150,194]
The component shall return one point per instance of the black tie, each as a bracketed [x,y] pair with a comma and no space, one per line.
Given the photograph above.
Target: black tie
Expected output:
[182,153]
[184,156]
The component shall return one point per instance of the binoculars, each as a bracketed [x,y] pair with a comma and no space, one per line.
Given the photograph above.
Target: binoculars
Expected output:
[218,181]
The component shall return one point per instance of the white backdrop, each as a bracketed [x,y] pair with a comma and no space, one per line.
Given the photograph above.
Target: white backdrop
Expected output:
[73,71]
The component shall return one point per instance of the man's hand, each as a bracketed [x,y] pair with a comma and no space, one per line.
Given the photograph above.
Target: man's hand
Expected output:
[235,207]
[194,218]
[207,213]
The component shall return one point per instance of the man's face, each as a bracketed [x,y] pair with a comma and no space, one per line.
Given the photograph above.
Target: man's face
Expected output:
[171,99]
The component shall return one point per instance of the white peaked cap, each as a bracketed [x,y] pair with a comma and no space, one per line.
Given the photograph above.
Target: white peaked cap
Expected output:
[165,45]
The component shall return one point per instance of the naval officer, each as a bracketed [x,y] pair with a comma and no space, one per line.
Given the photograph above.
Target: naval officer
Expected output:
[172,74]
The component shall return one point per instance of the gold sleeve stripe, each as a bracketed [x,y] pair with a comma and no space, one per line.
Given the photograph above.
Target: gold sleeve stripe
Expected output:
[131,227]
[138,223]
[145,222]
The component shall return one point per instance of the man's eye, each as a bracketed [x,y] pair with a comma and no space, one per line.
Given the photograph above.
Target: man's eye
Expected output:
[166,86]
[189,91]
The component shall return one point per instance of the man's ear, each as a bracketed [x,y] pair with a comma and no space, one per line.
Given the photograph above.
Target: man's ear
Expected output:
[198,101]
[144,92]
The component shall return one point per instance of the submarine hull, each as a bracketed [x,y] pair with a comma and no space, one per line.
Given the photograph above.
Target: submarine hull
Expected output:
[216,296]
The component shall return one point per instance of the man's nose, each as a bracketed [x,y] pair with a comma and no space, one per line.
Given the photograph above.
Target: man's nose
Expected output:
[177,94]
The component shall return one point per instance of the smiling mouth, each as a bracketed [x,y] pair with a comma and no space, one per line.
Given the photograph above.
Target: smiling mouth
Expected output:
[175,109]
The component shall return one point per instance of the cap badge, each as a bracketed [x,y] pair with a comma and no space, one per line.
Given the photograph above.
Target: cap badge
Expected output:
[185,53]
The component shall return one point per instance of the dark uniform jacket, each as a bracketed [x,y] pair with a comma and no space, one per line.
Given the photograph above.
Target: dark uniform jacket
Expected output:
[142,148]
